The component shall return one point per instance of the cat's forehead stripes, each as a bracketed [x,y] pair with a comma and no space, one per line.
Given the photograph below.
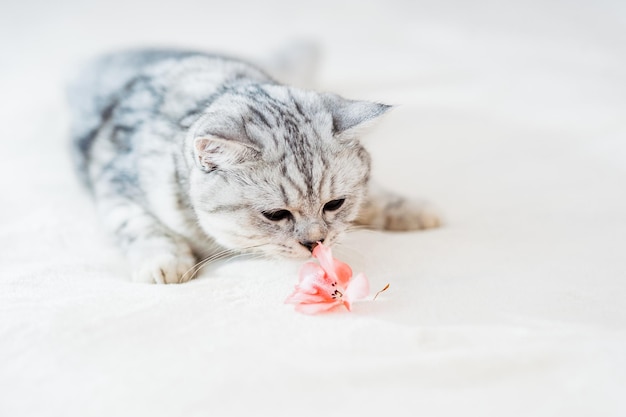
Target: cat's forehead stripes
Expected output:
[279,124]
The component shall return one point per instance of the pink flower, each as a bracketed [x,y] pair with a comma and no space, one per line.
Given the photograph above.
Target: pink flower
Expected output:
[327,284]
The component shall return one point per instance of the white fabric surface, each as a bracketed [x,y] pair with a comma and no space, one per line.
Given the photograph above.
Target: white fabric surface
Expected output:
[510,117]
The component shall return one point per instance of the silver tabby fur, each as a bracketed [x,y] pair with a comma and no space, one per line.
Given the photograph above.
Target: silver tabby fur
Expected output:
[188,154]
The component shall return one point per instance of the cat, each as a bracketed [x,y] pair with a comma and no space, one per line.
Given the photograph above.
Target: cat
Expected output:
[190,155]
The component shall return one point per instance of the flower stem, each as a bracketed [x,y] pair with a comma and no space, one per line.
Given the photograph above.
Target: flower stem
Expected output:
[384,289]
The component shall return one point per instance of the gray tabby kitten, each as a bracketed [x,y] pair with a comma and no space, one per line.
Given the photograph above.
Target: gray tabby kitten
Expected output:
[189,154]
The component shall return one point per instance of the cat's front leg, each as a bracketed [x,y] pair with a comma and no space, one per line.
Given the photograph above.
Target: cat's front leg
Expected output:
[384,210]
[162,260]
[156,254]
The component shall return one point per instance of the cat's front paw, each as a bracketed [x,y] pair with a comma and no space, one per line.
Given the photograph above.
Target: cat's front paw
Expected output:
[165,267]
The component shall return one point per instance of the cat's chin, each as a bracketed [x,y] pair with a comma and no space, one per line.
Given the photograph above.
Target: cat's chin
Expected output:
[297,255]
[293,253]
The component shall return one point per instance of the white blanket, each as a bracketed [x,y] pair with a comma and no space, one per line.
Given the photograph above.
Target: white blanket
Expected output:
[510,118]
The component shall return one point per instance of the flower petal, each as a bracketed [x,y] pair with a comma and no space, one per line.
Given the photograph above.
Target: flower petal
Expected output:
[315,308]
[299,297]
[325,256]
[327,284]
[358,288]
[314,280]
[337,270]
[311,275]
[343,272]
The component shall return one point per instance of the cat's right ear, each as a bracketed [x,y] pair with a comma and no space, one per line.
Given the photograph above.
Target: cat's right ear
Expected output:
[351,117]
[214,153]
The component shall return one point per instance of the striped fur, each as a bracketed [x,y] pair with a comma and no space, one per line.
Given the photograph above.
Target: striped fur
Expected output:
[188,153]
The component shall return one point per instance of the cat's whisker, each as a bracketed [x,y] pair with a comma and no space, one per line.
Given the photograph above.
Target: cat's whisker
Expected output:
[368,233]
[362,228]
[351,251]
[253,256]
[200,264]
[211,258]
[226,253]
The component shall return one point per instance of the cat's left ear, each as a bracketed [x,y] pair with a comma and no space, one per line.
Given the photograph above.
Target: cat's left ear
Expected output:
[351,117]
[218,153]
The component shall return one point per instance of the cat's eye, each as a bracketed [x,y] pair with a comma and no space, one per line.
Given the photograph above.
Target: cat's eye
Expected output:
[277,215]
[334,204]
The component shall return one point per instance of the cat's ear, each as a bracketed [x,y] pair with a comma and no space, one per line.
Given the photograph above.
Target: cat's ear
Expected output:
[350,117]
[213,153]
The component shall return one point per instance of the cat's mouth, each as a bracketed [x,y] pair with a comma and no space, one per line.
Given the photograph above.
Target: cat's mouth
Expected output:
[304,250]
[297,253]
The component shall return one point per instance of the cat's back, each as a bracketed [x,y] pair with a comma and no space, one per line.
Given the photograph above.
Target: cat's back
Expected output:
[175,74]
[101,80]
[142,87]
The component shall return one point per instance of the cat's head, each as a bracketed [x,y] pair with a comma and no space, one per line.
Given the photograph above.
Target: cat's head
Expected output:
[276,169]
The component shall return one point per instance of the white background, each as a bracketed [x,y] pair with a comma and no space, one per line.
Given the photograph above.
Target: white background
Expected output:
[510,117]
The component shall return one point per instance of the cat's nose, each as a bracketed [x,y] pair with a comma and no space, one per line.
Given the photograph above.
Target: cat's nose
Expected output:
[311,245]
